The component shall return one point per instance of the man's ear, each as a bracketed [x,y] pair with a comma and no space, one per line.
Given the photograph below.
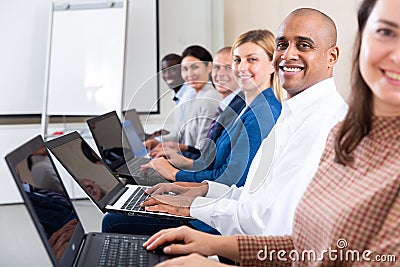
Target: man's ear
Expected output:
[333,54]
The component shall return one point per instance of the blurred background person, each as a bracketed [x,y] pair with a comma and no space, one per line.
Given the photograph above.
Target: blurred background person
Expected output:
[230,106]
[196,65]
[171,74]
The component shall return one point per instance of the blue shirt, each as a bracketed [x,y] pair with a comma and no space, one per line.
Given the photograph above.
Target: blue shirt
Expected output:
[237,145]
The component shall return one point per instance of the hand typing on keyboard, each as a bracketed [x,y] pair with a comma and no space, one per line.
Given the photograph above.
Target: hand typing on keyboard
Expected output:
[177,205]
[162,166]
[184,240]
[179,188]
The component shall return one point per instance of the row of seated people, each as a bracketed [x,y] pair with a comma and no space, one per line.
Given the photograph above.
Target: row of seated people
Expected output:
[250,91]
[302,178]
[325,173]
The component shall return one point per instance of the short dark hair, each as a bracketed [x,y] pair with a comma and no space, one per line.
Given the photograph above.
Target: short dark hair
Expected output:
[198,52]
[172,57]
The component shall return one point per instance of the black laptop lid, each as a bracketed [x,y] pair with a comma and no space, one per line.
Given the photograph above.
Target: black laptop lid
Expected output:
[49,205]
[86,167]
[107,132]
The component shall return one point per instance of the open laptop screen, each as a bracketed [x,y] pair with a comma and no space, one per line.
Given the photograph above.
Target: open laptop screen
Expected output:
[132,116]
[47,201]
[107,132]
[86,167]
[133,140]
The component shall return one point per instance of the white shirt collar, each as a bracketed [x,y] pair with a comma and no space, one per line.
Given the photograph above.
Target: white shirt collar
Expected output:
[227,100]
[308,97]
[181,91]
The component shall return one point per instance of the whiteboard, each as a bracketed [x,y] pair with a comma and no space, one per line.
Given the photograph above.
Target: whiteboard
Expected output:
[25,56]
[86,58]
[142,79]
[103,56]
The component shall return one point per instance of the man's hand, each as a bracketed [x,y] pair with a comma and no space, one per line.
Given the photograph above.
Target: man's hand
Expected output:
[177,205]
[150,144]
[158,133]
[179,188]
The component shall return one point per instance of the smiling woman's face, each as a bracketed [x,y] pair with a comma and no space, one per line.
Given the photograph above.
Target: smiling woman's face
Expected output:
[195,72]
[380,57]
[253,67]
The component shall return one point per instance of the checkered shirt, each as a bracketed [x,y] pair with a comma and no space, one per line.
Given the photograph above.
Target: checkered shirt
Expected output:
[346,211]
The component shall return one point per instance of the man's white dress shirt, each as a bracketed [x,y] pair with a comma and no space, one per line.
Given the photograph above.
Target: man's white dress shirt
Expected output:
[227,100]
[186,93]
[281,170]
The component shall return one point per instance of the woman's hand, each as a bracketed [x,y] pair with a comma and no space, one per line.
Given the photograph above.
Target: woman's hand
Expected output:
[186,241]
[192,260]
[159,149]
[178,160]
[162,166]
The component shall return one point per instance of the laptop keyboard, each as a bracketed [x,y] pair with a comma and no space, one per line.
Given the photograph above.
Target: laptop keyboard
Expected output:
[137,197]
[133,167]
[133,171]
[125,251]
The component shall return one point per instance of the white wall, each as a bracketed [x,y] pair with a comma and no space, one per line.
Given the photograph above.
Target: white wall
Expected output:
[241,16]
[24,28]
[25,25]
[183,23]
[211,23]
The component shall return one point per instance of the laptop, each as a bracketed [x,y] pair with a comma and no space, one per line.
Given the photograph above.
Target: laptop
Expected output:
[114,149]
[107,192]
[132,116]
[133,139]
[56,219]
